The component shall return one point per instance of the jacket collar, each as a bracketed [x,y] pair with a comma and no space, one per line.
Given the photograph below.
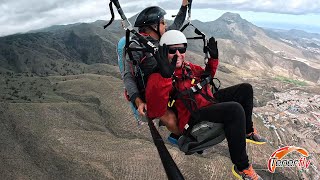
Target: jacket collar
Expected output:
[179,71]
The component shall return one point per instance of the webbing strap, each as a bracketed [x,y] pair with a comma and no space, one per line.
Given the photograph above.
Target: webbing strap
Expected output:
[196,87]
[190,92]
[112,16]
[169,165]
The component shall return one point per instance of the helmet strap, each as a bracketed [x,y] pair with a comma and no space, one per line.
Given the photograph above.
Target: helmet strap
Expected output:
[156,31]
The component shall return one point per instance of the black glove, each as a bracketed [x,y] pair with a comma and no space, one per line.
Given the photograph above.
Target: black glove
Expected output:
[213,48]
[165,67]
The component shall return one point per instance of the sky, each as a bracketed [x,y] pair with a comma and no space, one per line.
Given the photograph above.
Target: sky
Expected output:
[18,16]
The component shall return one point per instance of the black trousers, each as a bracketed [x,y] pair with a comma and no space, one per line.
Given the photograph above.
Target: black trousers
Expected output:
[234,110]
[242,94]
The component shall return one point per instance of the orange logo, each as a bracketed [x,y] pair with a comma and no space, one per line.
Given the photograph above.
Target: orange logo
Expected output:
[276,160]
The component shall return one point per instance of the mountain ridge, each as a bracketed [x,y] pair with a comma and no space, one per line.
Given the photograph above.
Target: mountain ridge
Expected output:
[241,44]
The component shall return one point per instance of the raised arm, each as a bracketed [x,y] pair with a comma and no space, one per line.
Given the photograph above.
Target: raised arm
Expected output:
[181,16]
[213,61]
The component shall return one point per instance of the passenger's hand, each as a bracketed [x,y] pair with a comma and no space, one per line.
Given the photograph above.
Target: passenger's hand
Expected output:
[184,2]
[142,109]
[141,106]
[213,48]
[166,68]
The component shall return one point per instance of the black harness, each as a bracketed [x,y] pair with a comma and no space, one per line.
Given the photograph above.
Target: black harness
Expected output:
[188,96]
[198,135]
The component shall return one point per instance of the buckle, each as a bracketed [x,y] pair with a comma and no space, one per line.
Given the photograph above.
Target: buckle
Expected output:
[186,126]
[193,89]
[199,86]
[209,79]
[170,104]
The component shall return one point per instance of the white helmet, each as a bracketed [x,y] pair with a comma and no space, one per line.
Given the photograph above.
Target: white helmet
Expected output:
[173,37]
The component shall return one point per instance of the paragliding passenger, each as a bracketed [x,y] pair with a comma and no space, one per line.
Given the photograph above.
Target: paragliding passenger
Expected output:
[151,25]
[231,106]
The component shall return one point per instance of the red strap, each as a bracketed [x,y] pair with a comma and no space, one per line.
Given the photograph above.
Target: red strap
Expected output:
[144,34]
[131,67]
[143,59]
[126,95]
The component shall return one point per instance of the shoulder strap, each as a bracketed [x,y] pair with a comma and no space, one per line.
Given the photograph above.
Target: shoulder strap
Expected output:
[190,96]
[129,50]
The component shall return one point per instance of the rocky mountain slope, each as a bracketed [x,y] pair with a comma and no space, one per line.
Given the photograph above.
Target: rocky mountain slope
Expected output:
[249,47]
[241,44]
[44,53]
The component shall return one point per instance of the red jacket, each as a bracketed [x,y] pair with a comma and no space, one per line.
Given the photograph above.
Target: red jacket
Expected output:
[158,91]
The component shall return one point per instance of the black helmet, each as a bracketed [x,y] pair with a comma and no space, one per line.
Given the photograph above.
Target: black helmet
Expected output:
[149,16]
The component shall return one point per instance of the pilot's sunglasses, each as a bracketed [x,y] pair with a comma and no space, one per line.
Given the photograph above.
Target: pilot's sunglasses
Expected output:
[180,49]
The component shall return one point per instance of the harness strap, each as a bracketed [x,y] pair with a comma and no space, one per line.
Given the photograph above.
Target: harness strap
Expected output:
[127,39]
[196,87]
[112,16]
[215,88]
[191,92]
[129,50]
[207,97]
[194,115]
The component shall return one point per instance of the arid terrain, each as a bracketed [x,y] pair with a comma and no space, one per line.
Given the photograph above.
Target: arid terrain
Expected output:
[81,127]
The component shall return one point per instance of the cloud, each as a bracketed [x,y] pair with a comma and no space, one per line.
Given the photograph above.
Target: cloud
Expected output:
[273,6]
[21,15]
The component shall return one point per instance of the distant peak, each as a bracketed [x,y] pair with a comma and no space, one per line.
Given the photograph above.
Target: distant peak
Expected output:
[231,17]
[133,18]
[296,31]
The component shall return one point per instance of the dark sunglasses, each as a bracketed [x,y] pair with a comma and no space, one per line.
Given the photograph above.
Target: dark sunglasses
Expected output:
[180,49]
